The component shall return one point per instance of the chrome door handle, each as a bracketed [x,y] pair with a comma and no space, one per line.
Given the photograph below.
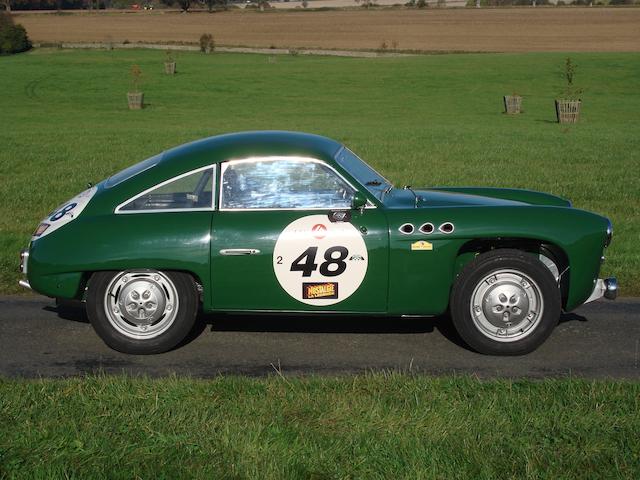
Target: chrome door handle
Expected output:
[239,251]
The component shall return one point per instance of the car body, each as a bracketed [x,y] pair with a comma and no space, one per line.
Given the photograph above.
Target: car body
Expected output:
[293,222]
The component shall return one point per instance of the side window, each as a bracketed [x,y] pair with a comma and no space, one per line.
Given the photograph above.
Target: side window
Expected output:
[185,192]
[282,183]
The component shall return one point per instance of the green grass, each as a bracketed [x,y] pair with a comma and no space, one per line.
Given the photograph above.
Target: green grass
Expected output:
[387,426]
[423,121]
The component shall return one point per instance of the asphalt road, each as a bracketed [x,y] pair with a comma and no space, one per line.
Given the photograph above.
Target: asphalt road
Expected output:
[37,339]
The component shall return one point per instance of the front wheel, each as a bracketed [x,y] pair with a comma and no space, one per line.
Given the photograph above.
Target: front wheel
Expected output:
[142,311]
[505,302]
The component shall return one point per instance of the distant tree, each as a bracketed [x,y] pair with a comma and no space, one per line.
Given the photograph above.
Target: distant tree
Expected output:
[7,5]
[211,4]
[13,38]
[207,43]
[185,5]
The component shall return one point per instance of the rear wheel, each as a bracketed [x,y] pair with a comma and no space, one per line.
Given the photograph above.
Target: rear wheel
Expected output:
[505,302]
[142,311]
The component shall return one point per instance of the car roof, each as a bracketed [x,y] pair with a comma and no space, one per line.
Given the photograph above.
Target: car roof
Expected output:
[248,144]
[208,151]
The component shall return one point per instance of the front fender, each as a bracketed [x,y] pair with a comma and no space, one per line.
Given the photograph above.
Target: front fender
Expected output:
[421,280]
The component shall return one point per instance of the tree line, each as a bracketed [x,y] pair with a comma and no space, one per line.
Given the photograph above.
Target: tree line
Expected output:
[185,5]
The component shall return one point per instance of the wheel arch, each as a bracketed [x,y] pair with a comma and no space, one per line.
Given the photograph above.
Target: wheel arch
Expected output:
[472,248]
[86,280]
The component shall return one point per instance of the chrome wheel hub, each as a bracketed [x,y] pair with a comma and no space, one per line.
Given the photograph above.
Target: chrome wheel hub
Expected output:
[506,305]
[141,304]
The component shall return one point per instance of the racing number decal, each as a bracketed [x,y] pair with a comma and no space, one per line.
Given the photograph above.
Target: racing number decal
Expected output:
[62,212]
[308,267]
[319,262]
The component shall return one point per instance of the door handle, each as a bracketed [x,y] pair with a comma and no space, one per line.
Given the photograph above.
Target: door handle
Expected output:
[239,251]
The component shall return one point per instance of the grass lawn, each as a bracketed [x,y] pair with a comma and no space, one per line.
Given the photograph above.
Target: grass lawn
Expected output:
[393,426]
[423,121]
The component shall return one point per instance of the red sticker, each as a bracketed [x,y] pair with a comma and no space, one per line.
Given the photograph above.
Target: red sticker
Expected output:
[319,231]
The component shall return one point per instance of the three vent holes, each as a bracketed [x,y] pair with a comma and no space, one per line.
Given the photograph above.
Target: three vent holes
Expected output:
[426,228]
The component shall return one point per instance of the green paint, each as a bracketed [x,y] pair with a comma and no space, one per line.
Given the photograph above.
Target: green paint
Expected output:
[399,280]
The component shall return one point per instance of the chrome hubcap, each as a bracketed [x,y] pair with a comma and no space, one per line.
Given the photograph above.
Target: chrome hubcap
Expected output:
[506,305]
[141,304]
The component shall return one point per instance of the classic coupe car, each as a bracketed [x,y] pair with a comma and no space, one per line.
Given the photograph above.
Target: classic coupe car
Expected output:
[292,222]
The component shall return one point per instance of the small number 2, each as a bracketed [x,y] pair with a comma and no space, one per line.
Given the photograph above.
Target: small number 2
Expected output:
[279,260]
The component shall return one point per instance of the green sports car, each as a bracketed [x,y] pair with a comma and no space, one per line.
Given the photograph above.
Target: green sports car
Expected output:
[293,222]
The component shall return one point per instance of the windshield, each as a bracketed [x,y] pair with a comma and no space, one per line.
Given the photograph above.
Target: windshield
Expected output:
[127,173]
[367,176]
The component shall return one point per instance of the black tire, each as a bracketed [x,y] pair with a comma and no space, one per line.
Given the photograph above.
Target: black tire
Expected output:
[183,319]
[472,280]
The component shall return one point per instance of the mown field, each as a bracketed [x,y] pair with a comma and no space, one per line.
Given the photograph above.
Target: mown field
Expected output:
[379,426]
[442,30]
[423,121]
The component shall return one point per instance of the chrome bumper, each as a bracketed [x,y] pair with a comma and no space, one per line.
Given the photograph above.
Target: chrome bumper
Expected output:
[607,288]
[24,260]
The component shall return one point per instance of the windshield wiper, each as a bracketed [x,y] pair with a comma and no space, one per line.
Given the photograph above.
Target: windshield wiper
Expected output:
[373,183]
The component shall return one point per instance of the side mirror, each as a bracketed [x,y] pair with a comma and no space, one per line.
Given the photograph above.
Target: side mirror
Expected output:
[359,201]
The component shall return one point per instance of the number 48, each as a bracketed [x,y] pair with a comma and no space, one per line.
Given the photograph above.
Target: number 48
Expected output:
[305,263]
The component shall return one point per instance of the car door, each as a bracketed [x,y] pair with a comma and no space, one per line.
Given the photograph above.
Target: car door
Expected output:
[285,238]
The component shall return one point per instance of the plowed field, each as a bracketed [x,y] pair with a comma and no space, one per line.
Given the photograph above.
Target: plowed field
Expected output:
[483,30]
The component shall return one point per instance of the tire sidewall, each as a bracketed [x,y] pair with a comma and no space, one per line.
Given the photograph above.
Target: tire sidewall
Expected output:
[484,265]
[179,329]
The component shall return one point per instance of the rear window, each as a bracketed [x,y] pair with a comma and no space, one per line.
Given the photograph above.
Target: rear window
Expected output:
[189,191]
[132,171]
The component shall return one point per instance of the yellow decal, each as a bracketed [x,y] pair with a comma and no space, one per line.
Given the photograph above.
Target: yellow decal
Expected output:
[421,245]
[320,290]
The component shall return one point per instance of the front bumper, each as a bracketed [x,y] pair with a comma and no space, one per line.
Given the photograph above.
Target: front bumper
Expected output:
[605,287]
[24,260]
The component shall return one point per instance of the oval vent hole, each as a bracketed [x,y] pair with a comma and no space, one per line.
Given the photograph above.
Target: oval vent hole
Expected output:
[446,227]
[406,228]
[427,228]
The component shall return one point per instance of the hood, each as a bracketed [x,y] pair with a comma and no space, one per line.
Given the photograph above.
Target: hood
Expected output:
[469,197]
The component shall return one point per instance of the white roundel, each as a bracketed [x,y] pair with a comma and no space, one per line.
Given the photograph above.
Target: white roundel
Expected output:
[319,262]
[64,214]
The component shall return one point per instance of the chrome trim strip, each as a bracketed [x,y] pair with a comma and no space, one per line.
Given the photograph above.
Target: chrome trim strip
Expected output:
[239,251]
[164,210]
